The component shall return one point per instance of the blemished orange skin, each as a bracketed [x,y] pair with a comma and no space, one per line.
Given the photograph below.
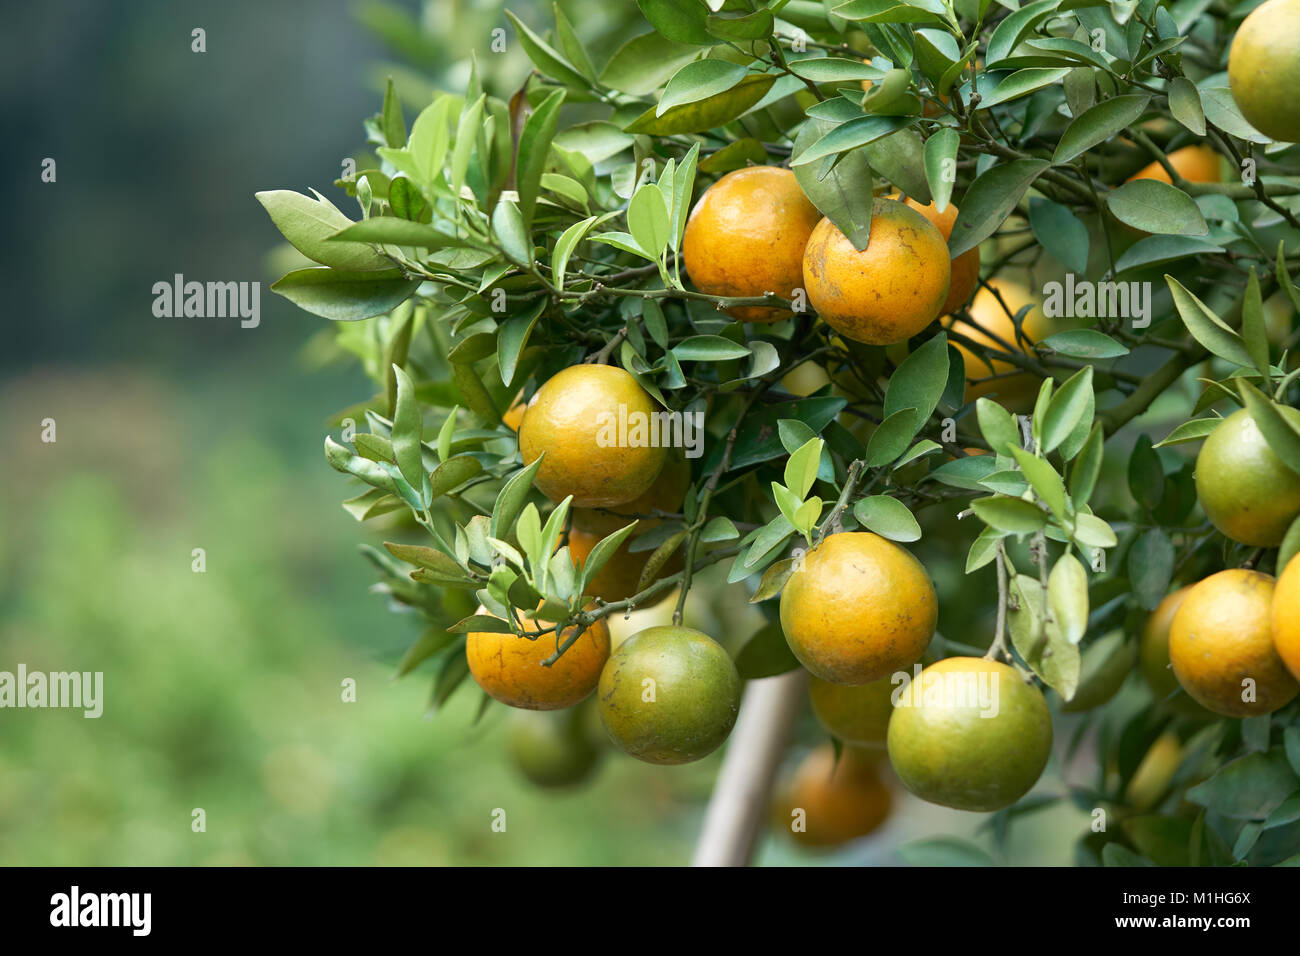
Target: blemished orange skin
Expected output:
[965,268]
[1222,634]
[617,580]
[1196,164]
[568,419]
[858,609]
[746,236]
[841,801]
[509,668]
[888,292]
[1286,617]
[1016,392]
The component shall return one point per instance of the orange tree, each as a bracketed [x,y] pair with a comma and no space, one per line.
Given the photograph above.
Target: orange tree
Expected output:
[1090,276]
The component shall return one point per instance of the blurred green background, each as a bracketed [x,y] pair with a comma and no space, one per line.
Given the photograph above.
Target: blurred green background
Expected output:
[223,689]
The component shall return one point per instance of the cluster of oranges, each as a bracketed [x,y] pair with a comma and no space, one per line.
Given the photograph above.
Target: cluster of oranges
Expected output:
[754,232]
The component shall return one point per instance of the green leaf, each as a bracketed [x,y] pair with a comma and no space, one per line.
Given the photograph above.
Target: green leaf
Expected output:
[445,434]
[476,396]
[1194,430]
[480,624]
[919,381]
[766,654]
[940,165]
[513,337]
[1287,551]
[1043,478]
[705,114]
[1099,124]
[900,158]
[534,148]
[1185,104]
[1015,27]
[1206,327]
[773,580]
[989,200]
[1022,83]
[740,26]
[1085,344]
[1010,515]
[843,192]
[511,231]
[346,296]
[433,640]
[546,58]
[943,851]
[391,123]
[1093,532]
[891,11]
[708,348]
[850,135]
[1249,788]
[601,553]
[407,431]
[1253,332]
[1087,466]
[396,232]
[1282,436]
[998,426]
[452,473]
[801,467]
[648,220]
[965,472]
[699,80]
[682,21]
[1156,250]
[511,499]
[1042,644]
[835,70]
[427,146]
[1060,232]
[1067,591]
[572,46]
[371,472]
[1151,567]
[642,64]
[308,224]
[467,130]
[887,517]
[983,549]
[891,437]
[1153,206]
[1146,475]
[1067,406]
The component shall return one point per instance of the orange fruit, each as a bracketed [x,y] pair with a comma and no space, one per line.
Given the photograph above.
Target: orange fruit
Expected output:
[669,695]
[618,577]
[830,803]
[856,715]
[1286,617]
[1221,646]
[970,734]
[515,416]
[552,749]
[994,328]
[1153,658]
[858,608]
[745,237]
[585,419]
[510,668]
[965,268]
[1264,69]
[889,291]
[1150,781]
[1196,164]
[1245,489]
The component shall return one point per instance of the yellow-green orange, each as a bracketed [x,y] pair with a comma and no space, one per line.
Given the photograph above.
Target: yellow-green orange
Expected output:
[1221,646]
[830,803]
[992,326]
[576,420]
[669,695]
[858,608]
[1107,662]
[978,738]
[1153,658]
[1286,617]
[1264,69]
[856,715]
[1244,488]
[746,236]
[1150,781]
[510,668]
[552,749]
[889,291]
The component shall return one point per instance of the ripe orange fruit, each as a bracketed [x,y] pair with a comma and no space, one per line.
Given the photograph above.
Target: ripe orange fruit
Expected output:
[888,292]
[1153,658]
[1245,489]
[1221,646]
[1264,69]
[994,328]
[510,669]
[830,803]
[1286,617]
[669,695]
[856,715]
[552,749]
[746,236]
[575,419]
[665,494]
[515,416]
[858,609]
[977,738]
[965,268]
[1196,164]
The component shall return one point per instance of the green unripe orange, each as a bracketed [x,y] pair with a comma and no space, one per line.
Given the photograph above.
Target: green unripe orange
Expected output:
[1245,489]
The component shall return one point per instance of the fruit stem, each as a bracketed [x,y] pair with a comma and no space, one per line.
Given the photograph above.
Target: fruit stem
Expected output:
[999,635]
